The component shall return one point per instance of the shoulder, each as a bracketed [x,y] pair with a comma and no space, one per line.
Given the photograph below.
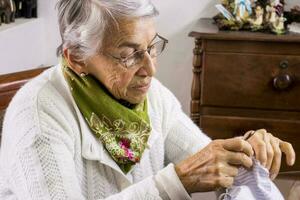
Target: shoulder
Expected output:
[38,105]
[163,106]
[26,99]
[32,96]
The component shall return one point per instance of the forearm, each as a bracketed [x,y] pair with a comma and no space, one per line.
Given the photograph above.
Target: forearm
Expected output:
[184,139]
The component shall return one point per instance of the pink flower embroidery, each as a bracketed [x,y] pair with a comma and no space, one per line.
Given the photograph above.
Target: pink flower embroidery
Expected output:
[125,144]
[129,154]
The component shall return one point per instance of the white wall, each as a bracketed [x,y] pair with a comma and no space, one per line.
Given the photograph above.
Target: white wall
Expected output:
[47,12]
[22,46]
[30,43]
[175,22]
[291,3]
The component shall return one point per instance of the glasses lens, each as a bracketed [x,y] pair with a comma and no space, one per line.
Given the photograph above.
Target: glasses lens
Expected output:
[157,49]
[130,61]
[134,59]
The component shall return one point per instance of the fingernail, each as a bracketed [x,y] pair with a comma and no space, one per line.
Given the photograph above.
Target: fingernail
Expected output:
[293,162]
[273,176]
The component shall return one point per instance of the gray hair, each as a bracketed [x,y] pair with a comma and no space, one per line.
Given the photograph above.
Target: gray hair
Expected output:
[83,23]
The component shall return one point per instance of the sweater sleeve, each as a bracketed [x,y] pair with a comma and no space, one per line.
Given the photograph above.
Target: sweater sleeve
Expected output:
[165,185]
[182,137]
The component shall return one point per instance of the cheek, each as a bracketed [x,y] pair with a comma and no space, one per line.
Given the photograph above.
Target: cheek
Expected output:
[120,83]
[125,79]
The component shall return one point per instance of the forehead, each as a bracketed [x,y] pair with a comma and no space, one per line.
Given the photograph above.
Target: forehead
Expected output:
[140,31]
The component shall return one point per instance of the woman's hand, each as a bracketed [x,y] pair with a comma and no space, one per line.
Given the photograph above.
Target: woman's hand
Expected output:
[268,150]
[215,166]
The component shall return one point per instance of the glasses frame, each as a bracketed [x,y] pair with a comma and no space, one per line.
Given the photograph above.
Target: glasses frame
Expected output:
[123,61]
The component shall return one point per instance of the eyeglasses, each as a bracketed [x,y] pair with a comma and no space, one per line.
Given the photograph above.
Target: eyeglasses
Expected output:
[137,57]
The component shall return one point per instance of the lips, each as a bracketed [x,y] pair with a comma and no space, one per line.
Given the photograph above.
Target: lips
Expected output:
[142,87]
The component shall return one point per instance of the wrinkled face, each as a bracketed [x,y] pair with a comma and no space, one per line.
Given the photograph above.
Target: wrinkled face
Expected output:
[129,84]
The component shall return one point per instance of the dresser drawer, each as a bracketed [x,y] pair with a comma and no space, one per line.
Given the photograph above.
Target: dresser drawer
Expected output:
[218,127]
[248,46]
[251,81]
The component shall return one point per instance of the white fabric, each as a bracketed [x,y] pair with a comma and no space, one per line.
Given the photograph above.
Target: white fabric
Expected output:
[174,190]
[48,151]
[253,184]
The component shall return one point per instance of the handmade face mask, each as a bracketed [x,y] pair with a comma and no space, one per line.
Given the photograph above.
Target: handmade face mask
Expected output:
[253,184]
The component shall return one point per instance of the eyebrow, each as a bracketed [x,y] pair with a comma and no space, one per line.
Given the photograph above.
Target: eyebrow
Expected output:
[134,45]
[130,44]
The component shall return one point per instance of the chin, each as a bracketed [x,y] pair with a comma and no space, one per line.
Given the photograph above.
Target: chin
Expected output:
[136,100]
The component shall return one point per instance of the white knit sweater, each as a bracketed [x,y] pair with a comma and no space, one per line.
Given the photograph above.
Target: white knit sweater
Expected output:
[48,151]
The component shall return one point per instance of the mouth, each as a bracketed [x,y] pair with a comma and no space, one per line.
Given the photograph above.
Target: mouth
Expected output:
[142,87]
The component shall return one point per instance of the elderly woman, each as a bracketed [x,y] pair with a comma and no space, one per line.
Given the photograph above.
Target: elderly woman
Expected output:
[99,126]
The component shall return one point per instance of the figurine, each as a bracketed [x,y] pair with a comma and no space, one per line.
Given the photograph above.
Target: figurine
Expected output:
[279,9]
[256,23]
[26,8]
[254,15]
[19,6]
[226,19]
[272,13]
[268,13]
[30,8]
[278,26]
[242,9]
[7,11]
[275,6]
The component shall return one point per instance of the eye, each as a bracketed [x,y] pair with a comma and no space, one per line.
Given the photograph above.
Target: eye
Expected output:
[126,52]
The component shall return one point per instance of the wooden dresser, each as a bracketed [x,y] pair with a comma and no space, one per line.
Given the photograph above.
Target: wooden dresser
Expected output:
[246,81]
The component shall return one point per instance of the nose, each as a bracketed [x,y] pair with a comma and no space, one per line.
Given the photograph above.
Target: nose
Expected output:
[147,66]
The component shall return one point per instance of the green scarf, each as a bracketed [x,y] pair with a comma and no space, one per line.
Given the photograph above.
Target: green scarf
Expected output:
[123,131]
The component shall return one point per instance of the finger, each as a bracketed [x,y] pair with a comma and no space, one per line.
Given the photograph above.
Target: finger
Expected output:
[224,169]
[224,182]
[289,151]
[238,145]
[259,146]
[231,171]
[275,167]
[239,159]
[248,134]
[270,151]
[263,131]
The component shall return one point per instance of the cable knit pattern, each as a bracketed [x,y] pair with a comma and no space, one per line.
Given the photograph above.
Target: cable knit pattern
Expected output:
[48,151]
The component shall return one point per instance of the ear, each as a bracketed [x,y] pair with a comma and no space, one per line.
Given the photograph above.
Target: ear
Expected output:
[78,67]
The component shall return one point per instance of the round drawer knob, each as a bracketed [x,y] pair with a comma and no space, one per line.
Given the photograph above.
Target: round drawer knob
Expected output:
[284,64]
[282,82]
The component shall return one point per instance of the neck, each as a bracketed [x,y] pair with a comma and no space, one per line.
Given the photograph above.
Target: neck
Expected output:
[126,104]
